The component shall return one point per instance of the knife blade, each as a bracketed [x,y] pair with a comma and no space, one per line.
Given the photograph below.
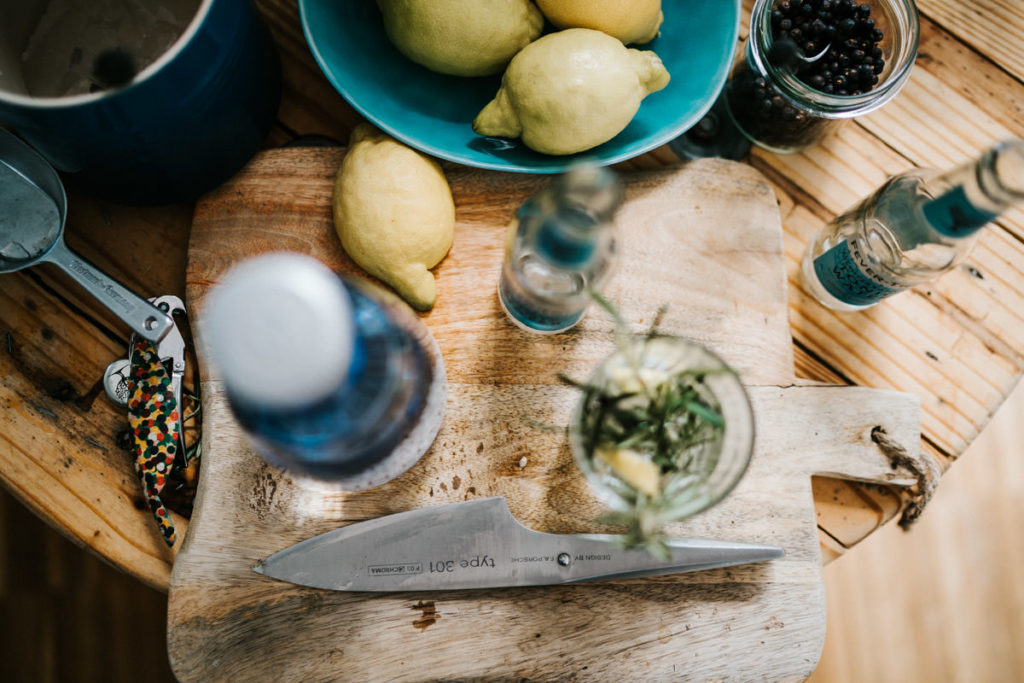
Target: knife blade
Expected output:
[479,544]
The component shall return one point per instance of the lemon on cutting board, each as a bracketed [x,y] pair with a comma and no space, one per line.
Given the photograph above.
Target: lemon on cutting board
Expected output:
[461,37]
[631,21]
[570,91]
[394,213]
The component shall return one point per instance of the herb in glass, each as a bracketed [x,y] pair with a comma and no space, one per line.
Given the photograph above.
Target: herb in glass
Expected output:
[651,432]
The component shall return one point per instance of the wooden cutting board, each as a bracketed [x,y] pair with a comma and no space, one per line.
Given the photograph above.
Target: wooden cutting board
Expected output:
[704,239]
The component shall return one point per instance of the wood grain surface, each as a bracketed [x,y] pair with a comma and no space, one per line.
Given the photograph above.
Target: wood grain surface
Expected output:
[953,605]
[58,446]
[704,239]
[60,452]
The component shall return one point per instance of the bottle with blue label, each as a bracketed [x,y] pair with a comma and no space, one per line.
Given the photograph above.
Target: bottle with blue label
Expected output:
[330,378]
[916,226]
[560,247]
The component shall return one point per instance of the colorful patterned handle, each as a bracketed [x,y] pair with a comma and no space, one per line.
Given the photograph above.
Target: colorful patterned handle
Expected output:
[153,415]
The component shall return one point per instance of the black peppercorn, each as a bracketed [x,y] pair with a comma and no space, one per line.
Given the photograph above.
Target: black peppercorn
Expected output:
[840,49]
[842,29]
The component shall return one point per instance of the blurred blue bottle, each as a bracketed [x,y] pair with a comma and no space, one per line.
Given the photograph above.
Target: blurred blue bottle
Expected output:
[326,376]
[560,245]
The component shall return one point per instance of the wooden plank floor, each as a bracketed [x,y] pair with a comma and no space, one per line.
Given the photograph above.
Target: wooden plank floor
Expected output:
[942,603]
[65,615]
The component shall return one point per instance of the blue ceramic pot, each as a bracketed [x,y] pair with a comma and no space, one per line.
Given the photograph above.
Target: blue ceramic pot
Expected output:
[187,122]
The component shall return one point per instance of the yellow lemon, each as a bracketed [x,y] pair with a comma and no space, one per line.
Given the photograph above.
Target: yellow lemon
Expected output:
[570,91]
[461,37]
[394,213]
[631,21]
[633,468]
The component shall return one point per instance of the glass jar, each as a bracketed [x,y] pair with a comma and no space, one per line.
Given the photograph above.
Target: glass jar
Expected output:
[773,108]
[714,465]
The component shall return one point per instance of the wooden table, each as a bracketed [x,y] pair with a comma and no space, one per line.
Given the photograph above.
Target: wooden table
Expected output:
[957,343]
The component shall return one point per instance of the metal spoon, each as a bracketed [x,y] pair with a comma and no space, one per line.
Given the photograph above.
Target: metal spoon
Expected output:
[33,208]
[786,53]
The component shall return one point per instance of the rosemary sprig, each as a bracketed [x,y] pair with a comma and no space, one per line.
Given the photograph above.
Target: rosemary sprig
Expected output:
[673,423]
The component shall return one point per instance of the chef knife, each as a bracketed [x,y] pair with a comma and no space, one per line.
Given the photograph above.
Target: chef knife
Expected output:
[479,544]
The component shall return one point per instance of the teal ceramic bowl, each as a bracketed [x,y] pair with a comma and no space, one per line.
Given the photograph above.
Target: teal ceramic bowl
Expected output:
[434,112]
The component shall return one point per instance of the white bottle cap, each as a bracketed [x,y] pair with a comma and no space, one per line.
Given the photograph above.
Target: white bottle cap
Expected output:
[279,329]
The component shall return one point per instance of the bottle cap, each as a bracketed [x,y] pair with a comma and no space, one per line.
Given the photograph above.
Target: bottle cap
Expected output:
[279,329]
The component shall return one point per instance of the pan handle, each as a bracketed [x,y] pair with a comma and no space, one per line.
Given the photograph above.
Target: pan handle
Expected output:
[144,318]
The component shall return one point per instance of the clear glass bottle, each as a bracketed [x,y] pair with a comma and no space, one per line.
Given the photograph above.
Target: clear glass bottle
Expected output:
[916,226]
[560,245]
[326,376]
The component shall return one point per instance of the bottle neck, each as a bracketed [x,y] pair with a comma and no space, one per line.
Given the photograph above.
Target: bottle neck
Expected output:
[973,195]
[575,217]
[569,238]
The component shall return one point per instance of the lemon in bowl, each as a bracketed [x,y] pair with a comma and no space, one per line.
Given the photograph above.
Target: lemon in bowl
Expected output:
[434,112]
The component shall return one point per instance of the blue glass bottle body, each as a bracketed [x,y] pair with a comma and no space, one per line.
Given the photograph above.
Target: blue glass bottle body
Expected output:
[359,424]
